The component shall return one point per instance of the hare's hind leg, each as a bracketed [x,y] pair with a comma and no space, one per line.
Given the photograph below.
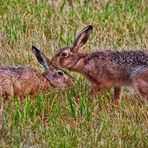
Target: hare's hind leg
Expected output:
[140,83]
[142,87]
[6,87]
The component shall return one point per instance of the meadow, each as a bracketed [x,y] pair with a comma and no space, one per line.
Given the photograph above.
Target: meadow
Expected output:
[57,118]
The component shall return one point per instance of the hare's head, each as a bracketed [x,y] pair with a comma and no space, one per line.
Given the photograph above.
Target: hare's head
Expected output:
[68,57]
[57,77]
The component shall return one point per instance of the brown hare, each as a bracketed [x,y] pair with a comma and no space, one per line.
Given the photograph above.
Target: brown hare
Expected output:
[105,68]
[23,80]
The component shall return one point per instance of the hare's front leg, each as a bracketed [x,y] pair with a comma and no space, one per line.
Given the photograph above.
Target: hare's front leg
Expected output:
[94,90]
[117,93]
[91,94]
[142,88]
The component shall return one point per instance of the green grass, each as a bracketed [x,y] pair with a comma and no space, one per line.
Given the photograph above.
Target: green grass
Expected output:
[58,118]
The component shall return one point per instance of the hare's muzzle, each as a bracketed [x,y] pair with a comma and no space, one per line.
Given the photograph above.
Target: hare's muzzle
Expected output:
[70,81]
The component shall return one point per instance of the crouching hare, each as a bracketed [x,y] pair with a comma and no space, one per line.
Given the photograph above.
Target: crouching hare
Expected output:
[106,68]
[23,80]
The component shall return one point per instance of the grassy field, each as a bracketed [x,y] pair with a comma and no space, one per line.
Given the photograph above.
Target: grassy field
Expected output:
[57,119]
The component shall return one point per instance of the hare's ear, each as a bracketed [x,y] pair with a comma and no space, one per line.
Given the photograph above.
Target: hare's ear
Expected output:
[42,59]
[82,38]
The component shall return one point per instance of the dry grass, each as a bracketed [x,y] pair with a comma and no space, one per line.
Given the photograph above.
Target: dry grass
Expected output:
[56,119]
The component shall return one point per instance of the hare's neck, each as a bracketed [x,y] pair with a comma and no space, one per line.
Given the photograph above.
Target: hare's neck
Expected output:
[79,65]
[44,83]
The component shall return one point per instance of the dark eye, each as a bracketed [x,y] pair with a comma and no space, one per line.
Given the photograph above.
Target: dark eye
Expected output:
[64,54]
[60,73]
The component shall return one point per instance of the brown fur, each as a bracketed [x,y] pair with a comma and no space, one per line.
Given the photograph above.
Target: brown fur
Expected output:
[107,68]
[23,80]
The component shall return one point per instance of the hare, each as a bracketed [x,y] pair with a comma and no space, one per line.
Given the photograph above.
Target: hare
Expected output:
[23,80]
[105,68]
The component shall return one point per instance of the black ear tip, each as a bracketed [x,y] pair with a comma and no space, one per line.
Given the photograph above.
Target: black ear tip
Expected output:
[90,27]
[34,48]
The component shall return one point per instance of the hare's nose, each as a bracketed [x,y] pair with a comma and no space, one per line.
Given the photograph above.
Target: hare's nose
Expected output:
[71,81]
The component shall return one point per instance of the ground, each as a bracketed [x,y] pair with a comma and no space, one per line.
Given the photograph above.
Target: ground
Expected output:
[57,118]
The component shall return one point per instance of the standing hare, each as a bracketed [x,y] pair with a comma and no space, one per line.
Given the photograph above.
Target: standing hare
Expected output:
[23,80]
[106,68]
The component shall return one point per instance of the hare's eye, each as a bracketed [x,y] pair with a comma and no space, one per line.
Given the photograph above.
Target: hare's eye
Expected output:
[64,54]
[60,73]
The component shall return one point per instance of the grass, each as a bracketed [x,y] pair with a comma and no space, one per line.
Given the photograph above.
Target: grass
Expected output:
[58,119]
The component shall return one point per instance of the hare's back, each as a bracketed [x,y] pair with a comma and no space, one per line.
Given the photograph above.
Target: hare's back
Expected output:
[19,75]
[122,58]
[16,71]
[23,79]
[129,58]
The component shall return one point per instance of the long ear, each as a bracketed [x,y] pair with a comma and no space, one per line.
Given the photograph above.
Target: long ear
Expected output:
[42,59]
[82,37]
